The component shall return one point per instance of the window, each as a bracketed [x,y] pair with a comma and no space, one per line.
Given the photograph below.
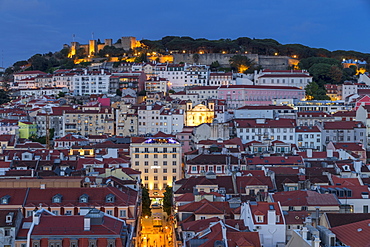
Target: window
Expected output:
[136,163]
[146,163]
[57,198]
[156,163]
[122,213]
[291,208]
[155,177]
[5,199]
[136,150]
[68,212]
[84,198]
[155,156]
[110,198]
[174,170]
[136,156]
[304,208]
[155,170]
[146,156]
[259,218]
[164,163]
[174,163]
[174,150]
[164,170]
[146,170]
[146,178]
[194,168]
[164,178]
[29,213]
[56,212]
[165,156]
[7,232]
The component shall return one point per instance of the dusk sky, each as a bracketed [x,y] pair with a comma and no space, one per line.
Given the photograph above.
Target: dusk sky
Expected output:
[28,27]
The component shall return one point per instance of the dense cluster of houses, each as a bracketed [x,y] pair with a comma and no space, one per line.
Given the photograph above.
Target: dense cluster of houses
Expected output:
[250,161]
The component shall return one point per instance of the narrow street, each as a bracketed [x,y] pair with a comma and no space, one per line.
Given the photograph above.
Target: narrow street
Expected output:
[156,231]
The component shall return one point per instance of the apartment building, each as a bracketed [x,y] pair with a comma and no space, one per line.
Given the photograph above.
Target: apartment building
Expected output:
[126,119]
[91,82]
[158,158]
[343,131]
[293,78]
[155,118]
[265,129]
[93,120]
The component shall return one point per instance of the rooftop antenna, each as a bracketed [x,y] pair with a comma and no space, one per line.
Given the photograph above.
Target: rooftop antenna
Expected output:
[92,35]
[73,37]
[2,58]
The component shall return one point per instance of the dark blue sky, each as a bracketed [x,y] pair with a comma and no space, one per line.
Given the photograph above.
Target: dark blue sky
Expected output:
[28,27]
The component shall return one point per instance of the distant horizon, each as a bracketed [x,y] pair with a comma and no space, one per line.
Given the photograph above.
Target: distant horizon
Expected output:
[41,26]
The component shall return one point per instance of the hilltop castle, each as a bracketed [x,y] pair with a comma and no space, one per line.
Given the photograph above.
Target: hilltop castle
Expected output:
[93,46]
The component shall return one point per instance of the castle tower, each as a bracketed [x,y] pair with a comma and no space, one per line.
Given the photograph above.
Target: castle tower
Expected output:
[108,42]
[128,43]
[74,48]
[92,47]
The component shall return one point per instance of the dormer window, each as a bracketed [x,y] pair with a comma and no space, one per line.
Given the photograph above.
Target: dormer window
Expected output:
[259,218]
[5,199]
[57,198]
[84,198]
[110,198]
[9,218]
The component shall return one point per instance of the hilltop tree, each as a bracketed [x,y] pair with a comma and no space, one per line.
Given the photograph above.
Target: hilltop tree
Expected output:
[240,63]
[4,97]
[315,92]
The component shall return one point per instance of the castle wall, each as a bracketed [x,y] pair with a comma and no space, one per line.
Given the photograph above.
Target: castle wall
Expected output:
[267,62]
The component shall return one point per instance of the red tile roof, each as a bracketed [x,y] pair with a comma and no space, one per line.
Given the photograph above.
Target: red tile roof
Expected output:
[305,198]
[283,75]
[355,234]
[73,225]
[343,125]
[269,123]
[265,107]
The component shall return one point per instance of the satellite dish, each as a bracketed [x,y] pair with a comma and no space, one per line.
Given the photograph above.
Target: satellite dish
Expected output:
[87,180]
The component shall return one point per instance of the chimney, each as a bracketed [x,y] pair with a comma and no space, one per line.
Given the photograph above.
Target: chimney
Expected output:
[304,233]
[271,217]
[86,224]
[42,186]
[36,218]
[316,242]
[309,153]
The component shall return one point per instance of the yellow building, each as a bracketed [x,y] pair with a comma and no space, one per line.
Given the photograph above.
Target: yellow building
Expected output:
[199,114]
[158,158]
[27,129]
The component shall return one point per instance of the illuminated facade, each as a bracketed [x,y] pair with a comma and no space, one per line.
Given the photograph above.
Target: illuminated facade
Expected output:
[88,121]
[199,114]
[159,161]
